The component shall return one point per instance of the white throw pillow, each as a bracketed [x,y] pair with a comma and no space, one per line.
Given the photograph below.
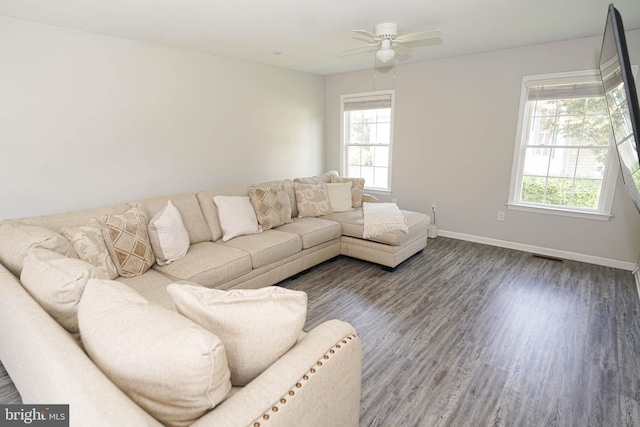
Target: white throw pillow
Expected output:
[257,326]
[57,283]
[340,196]
[237,216]
[170,366]
[168,235]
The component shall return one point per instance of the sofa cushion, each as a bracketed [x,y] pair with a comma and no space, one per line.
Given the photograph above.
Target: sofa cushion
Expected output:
[312,199]
[167,234]
[128,242]
[18,238]
[89,245]
[418,223]
[57,283]
[257,326]
[173,368]
[313,231]
[190,212]
[237,216]
[267,247]
[209,264]
[340,196]
[272,204]
[357,188]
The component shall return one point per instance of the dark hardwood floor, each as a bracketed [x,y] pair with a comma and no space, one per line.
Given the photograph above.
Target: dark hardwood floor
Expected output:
[465,334]
[472,335]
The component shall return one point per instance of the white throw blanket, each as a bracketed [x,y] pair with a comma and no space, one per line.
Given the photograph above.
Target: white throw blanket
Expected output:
[380,218]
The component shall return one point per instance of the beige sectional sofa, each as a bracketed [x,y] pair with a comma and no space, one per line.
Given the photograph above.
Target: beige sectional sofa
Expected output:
[316,382]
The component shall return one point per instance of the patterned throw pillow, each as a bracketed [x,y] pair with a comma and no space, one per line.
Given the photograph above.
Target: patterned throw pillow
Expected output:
[127,240]
[271,203]
[357,189]
[312,199]
[89,245]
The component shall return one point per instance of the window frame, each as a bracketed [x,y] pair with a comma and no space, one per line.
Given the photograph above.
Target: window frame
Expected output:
[344,145]
[610,176]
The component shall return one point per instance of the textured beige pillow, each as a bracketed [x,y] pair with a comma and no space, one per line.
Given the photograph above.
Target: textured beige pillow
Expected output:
[340,196]
[257,326]
[57,283]
[312,199]
[18,238]
[170,366]
[89,245]
[357,189]
[271,203]
[237,216]
[168,236]
[127,240]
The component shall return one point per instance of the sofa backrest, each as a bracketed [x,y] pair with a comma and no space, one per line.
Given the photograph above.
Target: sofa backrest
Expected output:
[190,211]
[57,222]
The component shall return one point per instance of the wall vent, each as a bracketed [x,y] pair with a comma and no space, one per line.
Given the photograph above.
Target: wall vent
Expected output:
[550,258]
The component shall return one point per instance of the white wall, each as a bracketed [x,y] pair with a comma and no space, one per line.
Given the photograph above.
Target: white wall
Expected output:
[89,120]
[455,131]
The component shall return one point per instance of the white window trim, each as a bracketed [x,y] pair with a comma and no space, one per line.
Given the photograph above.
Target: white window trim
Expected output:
[343,145]
[609,180]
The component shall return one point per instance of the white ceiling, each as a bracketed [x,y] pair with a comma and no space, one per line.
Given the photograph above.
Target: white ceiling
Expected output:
[309,33]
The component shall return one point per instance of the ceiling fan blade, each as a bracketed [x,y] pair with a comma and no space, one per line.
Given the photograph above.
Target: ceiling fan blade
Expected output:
[359,49]
[366,33]
[430,34]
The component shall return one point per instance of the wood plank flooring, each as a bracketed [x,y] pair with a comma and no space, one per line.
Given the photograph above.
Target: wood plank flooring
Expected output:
[472,335]
[465,334]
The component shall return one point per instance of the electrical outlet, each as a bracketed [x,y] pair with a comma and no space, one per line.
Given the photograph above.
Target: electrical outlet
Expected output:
[500,216]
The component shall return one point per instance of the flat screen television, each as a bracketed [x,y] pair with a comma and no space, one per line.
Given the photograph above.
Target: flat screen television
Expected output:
[622,101]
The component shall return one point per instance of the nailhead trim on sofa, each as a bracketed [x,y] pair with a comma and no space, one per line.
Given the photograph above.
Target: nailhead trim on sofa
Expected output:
[299,384]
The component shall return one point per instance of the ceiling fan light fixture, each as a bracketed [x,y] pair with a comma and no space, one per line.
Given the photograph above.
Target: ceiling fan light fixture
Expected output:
[385,55]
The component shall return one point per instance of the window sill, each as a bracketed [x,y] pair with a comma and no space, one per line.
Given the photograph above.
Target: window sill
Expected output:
[379,191]
[599,216]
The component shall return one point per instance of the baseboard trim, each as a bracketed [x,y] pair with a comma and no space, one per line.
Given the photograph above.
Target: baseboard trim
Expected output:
[622,265]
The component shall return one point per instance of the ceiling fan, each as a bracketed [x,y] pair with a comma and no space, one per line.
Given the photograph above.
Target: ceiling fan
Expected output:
[386,38]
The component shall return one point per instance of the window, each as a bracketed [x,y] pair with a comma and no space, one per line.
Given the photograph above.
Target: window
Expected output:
[564,161]
[367,134]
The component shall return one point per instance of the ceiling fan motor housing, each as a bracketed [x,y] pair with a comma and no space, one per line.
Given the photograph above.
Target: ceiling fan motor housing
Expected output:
[386,31]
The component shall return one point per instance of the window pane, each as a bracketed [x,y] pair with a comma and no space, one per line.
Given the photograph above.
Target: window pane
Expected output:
[545,108]
[357,134]
[542,131]
[384,115]
[569,130]
[533,189]
[587,193]
[353,171]
[383,134]
[592,163]
[381,156]
[380,177]
[367,173]
[597,129]
[563,162]
[536,161]
[355,156]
